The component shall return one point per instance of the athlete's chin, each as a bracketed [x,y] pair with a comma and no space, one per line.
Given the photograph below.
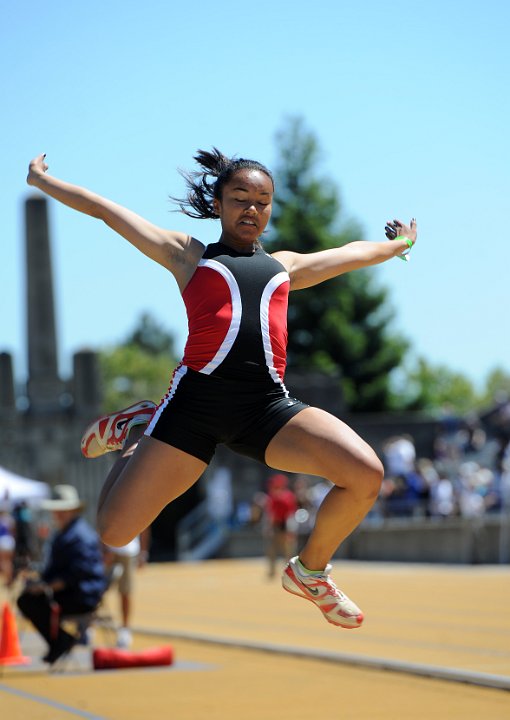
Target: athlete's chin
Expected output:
[247,231]
[245,239]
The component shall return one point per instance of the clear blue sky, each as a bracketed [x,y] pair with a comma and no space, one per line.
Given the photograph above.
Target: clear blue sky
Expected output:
[409,102]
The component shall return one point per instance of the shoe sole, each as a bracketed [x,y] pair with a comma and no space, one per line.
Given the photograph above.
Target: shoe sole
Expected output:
[297,592]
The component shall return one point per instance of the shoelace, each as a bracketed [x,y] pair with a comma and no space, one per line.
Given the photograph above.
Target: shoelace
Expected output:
[334,590]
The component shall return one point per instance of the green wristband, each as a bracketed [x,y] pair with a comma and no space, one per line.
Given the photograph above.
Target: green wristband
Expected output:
[403,237]
[404,255]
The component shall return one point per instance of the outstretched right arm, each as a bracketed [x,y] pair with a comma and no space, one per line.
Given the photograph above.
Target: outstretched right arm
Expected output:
[176,251]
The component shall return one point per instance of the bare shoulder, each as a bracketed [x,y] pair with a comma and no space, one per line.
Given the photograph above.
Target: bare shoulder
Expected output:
[189,247]
[287,258]
[186,254]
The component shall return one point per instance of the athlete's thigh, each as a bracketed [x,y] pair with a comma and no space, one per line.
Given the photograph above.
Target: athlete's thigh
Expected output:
[318,443]
[156,474]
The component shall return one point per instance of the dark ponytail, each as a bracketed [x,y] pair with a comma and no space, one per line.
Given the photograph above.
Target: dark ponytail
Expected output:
[198,202]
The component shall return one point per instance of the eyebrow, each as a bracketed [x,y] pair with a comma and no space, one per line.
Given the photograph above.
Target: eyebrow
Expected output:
[245,190]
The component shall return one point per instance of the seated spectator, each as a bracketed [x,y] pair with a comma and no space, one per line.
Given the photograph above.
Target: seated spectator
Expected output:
[73,579]
[399,455]
[442,498]
[395,496]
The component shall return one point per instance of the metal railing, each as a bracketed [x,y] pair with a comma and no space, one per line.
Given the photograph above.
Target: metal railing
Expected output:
[199,535]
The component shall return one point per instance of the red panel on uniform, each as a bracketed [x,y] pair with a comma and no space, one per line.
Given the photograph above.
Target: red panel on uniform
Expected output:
[209,306]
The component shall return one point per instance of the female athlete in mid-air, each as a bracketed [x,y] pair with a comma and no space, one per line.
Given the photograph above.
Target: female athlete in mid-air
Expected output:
[229,387]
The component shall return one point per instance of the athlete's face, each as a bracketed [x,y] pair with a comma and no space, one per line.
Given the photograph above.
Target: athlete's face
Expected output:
[245,208]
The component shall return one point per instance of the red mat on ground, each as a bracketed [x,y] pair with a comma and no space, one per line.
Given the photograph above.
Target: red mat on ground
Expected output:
[112,658]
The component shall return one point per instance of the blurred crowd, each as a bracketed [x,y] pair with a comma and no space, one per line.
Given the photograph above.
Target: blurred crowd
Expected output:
[467,476]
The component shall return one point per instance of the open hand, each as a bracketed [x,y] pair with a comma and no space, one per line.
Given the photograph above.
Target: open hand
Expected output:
[395,228]
[36,168]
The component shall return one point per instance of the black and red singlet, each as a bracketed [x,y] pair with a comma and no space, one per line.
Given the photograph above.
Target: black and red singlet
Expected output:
[237,315]
[229,386]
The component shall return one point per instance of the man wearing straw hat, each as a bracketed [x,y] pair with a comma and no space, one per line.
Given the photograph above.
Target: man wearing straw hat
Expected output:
[73,579]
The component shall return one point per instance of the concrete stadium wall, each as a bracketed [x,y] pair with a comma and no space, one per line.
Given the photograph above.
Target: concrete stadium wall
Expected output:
[455,541]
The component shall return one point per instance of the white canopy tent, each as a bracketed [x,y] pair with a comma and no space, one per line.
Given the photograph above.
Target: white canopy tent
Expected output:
[15,488]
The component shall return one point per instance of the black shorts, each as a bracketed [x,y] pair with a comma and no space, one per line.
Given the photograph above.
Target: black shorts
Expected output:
[200,411]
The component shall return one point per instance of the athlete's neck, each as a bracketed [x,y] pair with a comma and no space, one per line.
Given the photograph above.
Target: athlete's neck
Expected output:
[247,248]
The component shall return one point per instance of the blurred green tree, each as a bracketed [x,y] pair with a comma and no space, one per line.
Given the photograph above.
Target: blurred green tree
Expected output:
[424,386]
[139,368]
[497,387]
[340,327]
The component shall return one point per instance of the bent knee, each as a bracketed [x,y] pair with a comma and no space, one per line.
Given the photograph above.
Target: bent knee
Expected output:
[376,476]
[114,538]
[369,479]
[112,533]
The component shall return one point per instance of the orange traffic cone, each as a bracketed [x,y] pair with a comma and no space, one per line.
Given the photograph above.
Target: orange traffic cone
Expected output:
[10,651]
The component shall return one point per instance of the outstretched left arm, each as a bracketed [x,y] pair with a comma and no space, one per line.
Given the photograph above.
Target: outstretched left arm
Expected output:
[308,269]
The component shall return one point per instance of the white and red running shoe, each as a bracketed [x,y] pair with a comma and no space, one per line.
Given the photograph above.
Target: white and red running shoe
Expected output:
[320,589]
[109,432]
